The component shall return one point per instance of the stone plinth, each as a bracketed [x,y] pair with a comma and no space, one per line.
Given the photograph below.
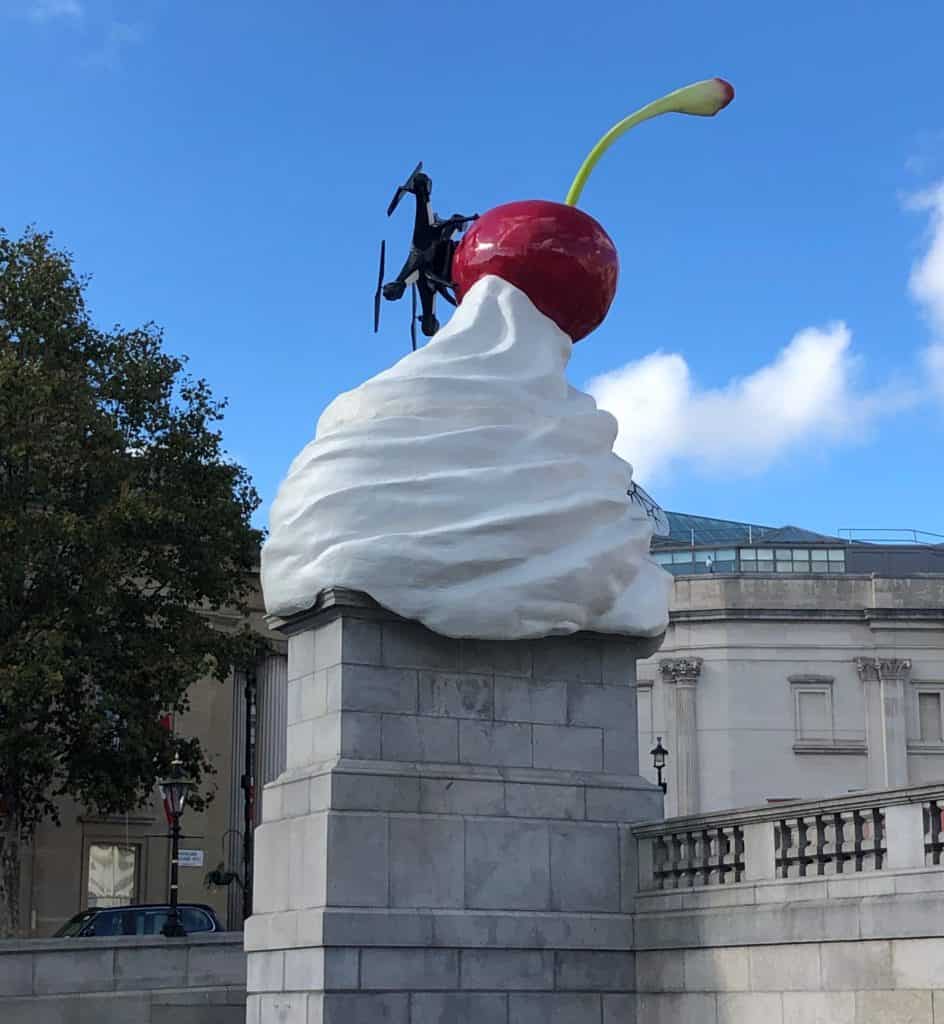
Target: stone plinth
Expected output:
[450,840]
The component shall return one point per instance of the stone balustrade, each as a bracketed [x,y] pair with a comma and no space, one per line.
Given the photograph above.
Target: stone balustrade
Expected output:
[865,832]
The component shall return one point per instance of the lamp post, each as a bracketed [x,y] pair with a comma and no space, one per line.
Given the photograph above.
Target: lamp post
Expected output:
[174,792]
[659,754]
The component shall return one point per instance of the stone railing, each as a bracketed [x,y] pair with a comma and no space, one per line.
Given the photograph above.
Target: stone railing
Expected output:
[895,829]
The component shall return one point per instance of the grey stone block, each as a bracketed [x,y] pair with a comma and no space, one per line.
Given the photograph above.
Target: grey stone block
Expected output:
[371,688]
[303,970]
[717,970]
[903,1007]
[612,707]
[680,1008]
[540,1008]
[658,972]
[409,645]
[265,971]
[619,662]
[629,868]
[301,654]
[360,642]
[619,1009]
[362,792]
[458,1008]
[527,800]
[193,1015]
[819,1008]
[215,965]
[918,963]
[16,974]
[568,747]
[500,744]
[525,700]
[386,1008]
[856,965]
[785,968]
[620,752]
[456,696]
[360,735]
[585,867]
[300,744]
[737,1007]
[507,865]
[357,860]
[295,798]
[411,738]
[622,805]
[462,796]
[35,1010]
[568,658]
[86,970]
[144,967]
[507,969]
[427,857]
[593,971]
[399,969]
[283,1008]
[505,657]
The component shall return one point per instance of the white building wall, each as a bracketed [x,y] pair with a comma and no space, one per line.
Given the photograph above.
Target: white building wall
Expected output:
[766,641]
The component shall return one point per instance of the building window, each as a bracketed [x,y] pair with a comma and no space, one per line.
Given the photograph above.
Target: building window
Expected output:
[112,874]
[814,712]
[930,721]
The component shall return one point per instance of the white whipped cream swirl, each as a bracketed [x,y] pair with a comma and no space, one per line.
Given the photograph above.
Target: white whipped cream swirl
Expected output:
[471,488]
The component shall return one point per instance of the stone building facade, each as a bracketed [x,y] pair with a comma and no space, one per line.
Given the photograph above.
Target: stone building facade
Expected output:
[812,674]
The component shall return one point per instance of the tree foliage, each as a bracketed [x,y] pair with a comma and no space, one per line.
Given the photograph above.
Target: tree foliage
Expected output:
[122,523]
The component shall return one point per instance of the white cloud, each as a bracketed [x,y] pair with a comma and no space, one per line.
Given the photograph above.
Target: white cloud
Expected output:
[927,281]
[46,10]
[805,395]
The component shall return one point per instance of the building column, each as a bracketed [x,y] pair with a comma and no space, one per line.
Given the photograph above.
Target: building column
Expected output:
[272,718]
[680,676]
[883,680]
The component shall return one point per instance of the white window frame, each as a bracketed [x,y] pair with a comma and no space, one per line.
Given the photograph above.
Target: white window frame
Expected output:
[916,745]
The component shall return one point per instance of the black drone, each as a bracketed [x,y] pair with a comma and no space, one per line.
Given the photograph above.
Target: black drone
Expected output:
[428,267]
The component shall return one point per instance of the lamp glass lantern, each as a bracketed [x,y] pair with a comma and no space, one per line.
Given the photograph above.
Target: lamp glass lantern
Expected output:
[659,755]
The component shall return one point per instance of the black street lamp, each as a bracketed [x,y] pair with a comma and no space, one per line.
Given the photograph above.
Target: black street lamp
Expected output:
[174,794]
[659,754]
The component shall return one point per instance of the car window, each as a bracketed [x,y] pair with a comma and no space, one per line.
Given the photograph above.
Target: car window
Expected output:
[108,922]
[150,922]
[195,920]
[73,926]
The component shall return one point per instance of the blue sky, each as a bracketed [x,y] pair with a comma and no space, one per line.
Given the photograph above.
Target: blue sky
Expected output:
[773,353]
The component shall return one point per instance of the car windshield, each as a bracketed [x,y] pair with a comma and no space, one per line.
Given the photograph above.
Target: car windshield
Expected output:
[73,926]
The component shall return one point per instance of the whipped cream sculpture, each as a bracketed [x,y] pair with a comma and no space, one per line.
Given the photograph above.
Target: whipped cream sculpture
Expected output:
[469,486]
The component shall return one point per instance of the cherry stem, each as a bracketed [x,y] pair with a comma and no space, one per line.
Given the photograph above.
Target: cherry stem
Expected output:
[704,99]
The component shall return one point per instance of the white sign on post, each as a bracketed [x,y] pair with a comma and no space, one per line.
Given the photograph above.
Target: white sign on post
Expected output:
[190,858]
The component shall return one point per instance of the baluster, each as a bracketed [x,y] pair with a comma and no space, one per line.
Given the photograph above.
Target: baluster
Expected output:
[878,829]
[705,857]
[738,853]
[859,832]
[823,853]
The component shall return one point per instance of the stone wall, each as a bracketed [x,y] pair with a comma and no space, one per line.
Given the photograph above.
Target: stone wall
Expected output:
[152,980]
[827,912]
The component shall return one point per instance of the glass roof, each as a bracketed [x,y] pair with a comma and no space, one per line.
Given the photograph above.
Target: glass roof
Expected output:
[703,531]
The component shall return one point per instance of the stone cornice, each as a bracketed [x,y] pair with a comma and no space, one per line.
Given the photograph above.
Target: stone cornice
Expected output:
[682,671]
[884,669]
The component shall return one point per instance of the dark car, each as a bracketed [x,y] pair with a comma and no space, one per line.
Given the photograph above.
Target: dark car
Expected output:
[140,919]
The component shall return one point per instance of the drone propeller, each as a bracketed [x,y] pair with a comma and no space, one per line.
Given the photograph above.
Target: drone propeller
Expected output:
[413,315]
[380,277]
[403,189]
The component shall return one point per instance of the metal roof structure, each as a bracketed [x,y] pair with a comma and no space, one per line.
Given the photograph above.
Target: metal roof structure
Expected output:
[705,531]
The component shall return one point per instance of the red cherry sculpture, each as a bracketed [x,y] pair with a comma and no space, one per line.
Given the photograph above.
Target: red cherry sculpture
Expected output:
[560,257]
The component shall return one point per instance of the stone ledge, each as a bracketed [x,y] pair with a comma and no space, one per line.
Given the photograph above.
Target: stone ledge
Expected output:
[459,929]
[899,916]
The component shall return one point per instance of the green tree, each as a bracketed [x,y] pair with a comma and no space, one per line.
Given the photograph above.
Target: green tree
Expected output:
[121,523]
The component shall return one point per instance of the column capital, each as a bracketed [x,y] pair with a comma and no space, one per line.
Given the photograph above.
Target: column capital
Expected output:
[873,670]
[684,671]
